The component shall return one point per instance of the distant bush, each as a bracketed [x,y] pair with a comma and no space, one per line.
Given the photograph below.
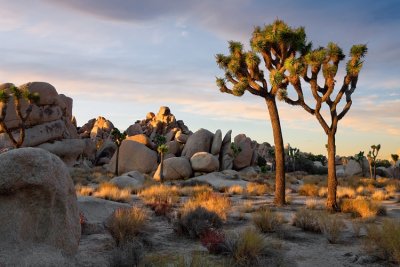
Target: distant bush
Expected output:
[362,208]
[198,222]
[235,190]
[308,220]
[256,189]
[160,198]
[128,255]
[345,192]
[112,192]
[267,221]
[383,163]
[194,190]
[82,190]
[332,227]
[210,201]
[308,190]
[126,223]
[380,195]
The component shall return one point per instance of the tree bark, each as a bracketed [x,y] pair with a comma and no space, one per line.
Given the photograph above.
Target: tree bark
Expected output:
[161,167]
[116,161]
[279,152]
[331,203]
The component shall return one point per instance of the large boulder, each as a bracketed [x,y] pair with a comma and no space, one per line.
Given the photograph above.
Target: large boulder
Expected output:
[48,94]
[134,129]
[352,168]
[200,141]
[216,143]
[226,154]
[101,129]
[204,162]
[143,139]
[175,168]
[181,137]
[133,179]
[243,159]
[68,150]
[38,204]
[174,147]
[106,151]
[134,156]
[219,180]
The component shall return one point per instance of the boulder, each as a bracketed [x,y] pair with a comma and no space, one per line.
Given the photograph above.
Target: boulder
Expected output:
[340,171]
[68,150]
[38,204]
[216,143]
[175,168]
[200,141]
[174,148]
[134,129]
[226,154]
[181,137]
[134,156]
[352,168]
[101,128]
[107,150]
[204,162]
[143,139]
[48,94]
[218,180]
[243,159]
[133,179]
[66,104]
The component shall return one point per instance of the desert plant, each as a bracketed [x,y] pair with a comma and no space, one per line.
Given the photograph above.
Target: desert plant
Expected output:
[112,192]
[197,221]
[126,223]
[256,189]
[332,227]
[312,203]
[160,198]
[308,190]
[293,154]
[117,137]
[211,201]
[372,155]
[360,160]
[384,241]
[308,220]
[194,190]
[345,192]
[380,195]
[162,149]
[395,158]
[357,225]
[235,190]
[84,190]
[267,221]
[127,255]
[362,208]
[214,241]
[17,94]
[323,191]
[235,149]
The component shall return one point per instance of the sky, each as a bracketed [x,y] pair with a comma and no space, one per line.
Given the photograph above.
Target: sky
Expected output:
[123,58]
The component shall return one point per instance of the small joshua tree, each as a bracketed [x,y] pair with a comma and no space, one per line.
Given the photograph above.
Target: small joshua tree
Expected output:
[162,149]
[372,155]
[18,95]
[293,154]
[395,158]
[118,137]
[360,159]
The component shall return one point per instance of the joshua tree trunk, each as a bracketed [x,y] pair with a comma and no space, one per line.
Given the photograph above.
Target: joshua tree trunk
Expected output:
[279,152]
[117,161]
[374,170]
[331,204]
[161,167]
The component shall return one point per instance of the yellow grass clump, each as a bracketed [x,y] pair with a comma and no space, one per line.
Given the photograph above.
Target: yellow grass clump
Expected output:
[210,201]
[256,189]
[235,190]
[82,190]
[308,190]
[345,192]
[323,191]
[267,221]
[313,203]
[362,208]
[331,226]
[160,194]
[248,247]
[112,192]
[308,220]
[194,190]
[380,195]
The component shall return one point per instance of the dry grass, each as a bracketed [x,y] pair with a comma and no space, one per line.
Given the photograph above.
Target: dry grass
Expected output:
[392,189]
[267,221]
[211,201]
[256,189]
[82,190]
[384,241]
[323,191]
[126,223]
[235,190]
[363,191]
[313,203]
[315,180]
[308,220]
[246,206]
[194,190]
[362,208]
[288,199]
[357,225]
[380,195]
[112,192]
[332,227]
[345,192]
[158,194]
[308,190]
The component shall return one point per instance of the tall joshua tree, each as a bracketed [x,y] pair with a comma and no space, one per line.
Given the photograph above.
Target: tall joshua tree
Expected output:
[360,159]
[307,68]
[274,43]
[162,149]
[372,155]
[118,137]
[17,95]
[395,158]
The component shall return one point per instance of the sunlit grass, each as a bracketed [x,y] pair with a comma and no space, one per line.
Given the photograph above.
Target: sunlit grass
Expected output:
[112,192]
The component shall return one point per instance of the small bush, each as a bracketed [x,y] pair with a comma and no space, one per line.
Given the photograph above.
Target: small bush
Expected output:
[235,190]
[357,225]
[128,255]
[380,195]
[308,190]
[331,227]
[213,241]
[82,190]
[210,201]
[194,190]
[126,223]
[345,192]
[246,207]
[160,198]
[363,191]
[323,191]
[308,220]
[288,199]
[112,192]
[197,222]
[256,189]
[384,241]
[267,221]
[362,208]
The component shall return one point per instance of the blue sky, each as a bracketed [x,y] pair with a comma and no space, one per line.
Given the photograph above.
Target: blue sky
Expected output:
[121,59]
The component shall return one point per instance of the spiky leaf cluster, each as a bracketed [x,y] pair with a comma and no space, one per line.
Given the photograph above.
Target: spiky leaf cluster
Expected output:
[4,96]
[117,136]
[162,149]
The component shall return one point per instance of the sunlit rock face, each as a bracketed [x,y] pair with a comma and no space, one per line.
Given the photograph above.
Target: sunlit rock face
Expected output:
[38,204]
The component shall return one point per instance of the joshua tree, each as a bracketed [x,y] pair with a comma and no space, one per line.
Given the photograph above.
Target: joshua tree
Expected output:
[372,155]
[18,95]
[395,158]
[162,148]
[360,159]
[118,137]
[274,43]
[293,154]
[306,67]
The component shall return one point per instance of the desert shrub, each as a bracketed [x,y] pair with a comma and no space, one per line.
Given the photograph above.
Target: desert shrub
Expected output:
[112,192]
[194,190]
[267,221]
[363,191]
[160,198]
[235,190]
[323,191]
[126,223]
[345,192]
[362,208]
[82,190]
[392,189]
[384,241]
[211,201]
[308,220]
[357,225]
[128,255]
[308,190]
[380,195]
[288,199]
[246,206]
[256,189]
[332,227]
[213,241]
[197,222]
[313,203]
